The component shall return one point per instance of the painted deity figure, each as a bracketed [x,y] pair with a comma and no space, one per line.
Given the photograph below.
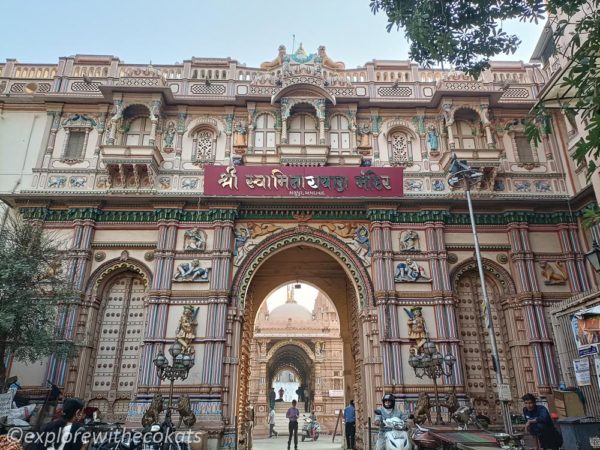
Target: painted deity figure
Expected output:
[186,332]
[432,139]
[362,240]
[240,135]
[170,135]
[409,241]
[417,329]
[408,271]
[191,271]
[194,239]
[363,134]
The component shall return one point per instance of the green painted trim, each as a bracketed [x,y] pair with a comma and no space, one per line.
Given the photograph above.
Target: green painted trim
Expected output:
[230,214]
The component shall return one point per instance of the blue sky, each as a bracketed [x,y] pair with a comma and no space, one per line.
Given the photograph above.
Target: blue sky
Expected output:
[165,32]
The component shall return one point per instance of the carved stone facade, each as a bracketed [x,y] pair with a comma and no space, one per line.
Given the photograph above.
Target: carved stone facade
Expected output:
[115,162]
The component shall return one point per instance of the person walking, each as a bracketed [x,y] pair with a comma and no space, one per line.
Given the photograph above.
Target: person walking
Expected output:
[350,423]
[306,399]
[539,423]
[272,398]
[293,414]
[272,423]
[281,392]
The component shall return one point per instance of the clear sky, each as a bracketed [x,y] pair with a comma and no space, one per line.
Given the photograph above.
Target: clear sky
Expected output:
[165,32]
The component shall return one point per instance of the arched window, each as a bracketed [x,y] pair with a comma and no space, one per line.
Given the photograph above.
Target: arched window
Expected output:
[119,341]
[205,144]
[303,130]
[264,133]
[138,131]
[465,134]
[400,147]
[339,134]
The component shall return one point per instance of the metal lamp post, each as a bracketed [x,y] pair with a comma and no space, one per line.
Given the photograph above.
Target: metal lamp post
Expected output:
[179,370]
[461,173]
[433,364]
[593,256]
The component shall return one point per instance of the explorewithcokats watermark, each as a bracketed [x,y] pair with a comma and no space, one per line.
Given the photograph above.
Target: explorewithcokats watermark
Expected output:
[85,436]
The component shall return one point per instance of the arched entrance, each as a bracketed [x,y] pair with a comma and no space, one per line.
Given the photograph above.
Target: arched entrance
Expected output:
[114,319]
[475,349]
[328,264]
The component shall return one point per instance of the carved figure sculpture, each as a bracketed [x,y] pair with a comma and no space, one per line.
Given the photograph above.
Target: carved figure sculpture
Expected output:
[261,229]
[409,241]
[152,414]
[241,237]
[327,62]
[345,230]
[57,182]
[363,131]
[194,239]
[362,241]
[186,415]
[277,61]
[191,271]
[554,274]
[186,331]
[409,271]
[165,182]
[240,135]
[432,139]
[170,135]
[451,403]
[423,409]
[78,182]
[417,328]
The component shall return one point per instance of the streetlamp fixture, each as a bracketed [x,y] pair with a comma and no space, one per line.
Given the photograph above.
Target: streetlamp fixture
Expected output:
[461,173]
[593,256]
[179,370]
[431,363]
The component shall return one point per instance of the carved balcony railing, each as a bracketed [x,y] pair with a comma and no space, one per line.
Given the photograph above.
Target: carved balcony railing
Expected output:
[131,167]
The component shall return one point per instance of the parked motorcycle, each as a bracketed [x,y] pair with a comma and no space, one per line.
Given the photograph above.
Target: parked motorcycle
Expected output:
[310,429]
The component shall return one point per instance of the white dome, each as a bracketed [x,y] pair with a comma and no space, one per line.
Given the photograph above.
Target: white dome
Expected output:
[290,311]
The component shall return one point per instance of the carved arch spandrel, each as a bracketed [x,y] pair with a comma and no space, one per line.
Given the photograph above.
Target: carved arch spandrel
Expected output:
[291,237]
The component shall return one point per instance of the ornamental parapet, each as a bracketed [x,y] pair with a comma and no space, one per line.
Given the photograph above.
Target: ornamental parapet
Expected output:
[84,76]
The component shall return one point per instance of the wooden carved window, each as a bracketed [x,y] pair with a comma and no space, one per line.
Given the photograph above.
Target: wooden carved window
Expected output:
[138,132]
[339,134]
[76,142]
[524,151]
[264,134]
[303,130]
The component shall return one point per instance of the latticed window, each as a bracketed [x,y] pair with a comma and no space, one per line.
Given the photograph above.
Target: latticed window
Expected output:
[400,148]
[524,151]
[75,143]
[339,134]
[204,145]
[264,133]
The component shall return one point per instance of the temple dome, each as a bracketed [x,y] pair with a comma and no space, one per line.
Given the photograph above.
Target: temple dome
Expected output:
[290,311]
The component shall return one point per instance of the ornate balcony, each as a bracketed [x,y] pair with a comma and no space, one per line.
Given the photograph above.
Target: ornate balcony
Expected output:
[131,166]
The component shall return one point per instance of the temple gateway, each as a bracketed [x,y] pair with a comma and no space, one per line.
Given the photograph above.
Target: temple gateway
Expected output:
[186,194]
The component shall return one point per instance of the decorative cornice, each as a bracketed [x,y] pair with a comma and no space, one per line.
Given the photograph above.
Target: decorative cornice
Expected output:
[231,214]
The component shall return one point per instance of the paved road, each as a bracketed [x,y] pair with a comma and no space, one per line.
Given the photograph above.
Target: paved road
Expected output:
[280,443]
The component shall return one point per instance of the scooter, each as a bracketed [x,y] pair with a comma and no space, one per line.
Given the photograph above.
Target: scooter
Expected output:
[396,434]
[311,429]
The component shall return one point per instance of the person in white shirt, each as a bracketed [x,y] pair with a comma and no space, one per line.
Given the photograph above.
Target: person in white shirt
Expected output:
[272,424]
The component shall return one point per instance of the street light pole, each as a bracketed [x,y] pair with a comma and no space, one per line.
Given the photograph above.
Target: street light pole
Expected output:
[461,172]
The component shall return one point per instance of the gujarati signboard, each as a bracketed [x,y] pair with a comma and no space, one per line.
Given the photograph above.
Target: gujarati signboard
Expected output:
[303,182]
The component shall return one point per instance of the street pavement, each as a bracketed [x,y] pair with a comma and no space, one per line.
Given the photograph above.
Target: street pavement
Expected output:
[280,443]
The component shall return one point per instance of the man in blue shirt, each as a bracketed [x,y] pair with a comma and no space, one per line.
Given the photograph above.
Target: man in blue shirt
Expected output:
[293,415]
[539,423]
[350,420]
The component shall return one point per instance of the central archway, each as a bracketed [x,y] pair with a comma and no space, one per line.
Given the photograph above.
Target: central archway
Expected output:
[330,265]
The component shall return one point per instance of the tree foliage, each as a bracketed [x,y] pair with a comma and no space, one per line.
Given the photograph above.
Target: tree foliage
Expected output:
[32,290]
[466,34]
